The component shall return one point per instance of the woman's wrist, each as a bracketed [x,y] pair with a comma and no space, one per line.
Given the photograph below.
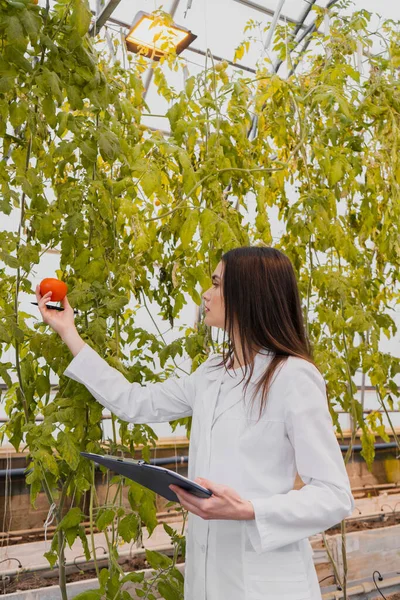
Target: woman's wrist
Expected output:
[248,511]
[73,340]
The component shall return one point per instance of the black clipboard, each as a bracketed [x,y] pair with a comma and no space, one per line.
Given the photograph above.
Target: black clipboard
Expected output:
[150,476]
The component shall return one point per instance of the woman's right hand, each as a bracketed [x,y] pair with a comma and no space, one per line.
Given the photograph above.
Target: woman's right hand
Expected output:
[60,321]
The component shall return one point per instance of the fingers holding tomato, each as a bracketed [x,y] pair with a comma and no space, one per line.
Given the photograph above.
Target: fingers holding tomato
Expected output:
[50,290]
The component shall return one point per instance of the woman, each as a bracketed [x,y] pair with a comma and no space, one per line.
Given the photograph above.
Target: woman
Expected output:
[248,541]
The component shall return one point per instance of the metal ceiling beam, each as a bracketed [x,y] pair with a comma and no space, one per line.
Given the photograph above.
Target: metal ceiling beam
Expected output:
[311,28]
[300,25]
[103,16]
[266,11]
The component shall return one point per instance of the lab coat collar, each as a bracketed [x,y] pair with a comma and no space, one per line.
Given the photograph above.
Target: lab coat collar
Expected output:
[210,400]
[211,372]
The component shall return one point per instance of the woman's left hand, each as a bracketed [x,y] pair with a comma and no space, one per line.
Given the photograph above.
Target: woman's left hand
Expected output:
[224,503]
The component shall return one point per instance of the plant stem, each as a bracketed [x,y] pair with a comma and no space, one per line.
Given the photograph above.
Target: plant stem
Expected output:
[62,579]
[331,559]
[91,523]
[17,285]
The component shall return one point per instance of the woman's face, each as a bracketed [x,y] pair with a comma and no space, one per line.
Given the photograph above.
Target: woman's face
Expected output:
[214,301]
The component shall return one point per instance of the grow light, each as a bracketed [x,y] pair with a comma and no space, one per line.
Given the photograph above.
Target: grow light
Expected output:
[150,39]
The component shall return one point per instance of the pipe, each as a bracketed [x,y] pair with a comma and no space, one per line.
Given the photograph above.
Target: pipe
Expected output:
[379,446]
[162,517]
[181,460]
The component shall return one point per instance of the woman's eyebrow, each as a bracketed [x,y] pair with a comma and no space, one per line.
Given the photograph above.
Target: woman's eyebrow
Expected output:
[214,277]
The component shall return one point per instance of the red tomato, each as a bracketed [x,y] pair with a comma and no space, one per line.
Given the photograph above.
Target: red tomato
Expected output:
[57,287]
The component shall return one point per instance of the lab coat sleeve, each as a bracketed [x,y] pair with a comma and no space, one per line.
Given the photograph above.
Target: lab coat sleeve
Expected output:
[325,499]
[153,403]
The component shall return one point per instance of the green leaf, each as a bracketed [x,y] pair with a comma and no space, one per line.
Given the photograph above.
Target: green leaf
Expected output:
[51,557]
[81,16]
[84,540]
[14,31]
[10,260]
[6,84]
[104,577]
[208,223]
[169,591]
[74,97]
[188,229]
[108,145]
[16,56]
[336,172]
[90,595]
[189,86]
[18,112]
[368,448]
[31,23]
[105,518]
[42,385]
[129,527]
[157,560]
[89,149]
[71,519]
[148,512]
[116,303]
[5,336]
[149,182]
[49,111]
[15,425]
[71,534]
[68,450]
[135,577]
[16,331]
[46,458]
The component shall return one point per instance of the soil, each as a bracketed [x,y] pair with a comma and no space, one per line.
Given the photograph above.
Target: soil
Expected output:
[31,581]
[385,521]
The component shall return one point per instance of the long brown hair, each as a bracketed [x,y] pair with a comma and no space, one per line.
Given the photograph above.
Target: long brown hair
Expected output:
[262,298]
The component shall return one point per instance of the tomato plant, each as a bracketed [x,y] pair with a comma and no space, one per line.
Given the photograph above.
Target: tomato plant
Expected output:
[130,207]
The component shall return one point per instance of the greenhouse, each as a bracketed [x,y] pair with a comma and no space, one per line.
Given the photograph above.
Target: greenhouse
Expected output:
[199,299]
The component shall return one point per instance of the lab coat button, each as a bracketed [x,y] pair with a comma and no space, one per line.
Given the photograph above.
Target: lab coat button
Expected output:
[203,548]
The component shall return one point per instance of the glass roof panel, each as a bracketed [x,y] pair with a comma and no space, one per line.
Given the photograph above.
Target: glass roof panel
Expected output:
[219,26]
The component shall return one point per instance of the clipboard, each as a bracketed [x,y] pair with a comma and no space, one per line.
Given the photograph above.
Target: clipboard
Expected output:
[150,476]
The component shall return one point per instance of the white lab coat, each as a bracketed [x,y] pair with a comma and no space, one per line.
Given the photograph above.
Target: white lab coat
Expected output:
[269,557]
